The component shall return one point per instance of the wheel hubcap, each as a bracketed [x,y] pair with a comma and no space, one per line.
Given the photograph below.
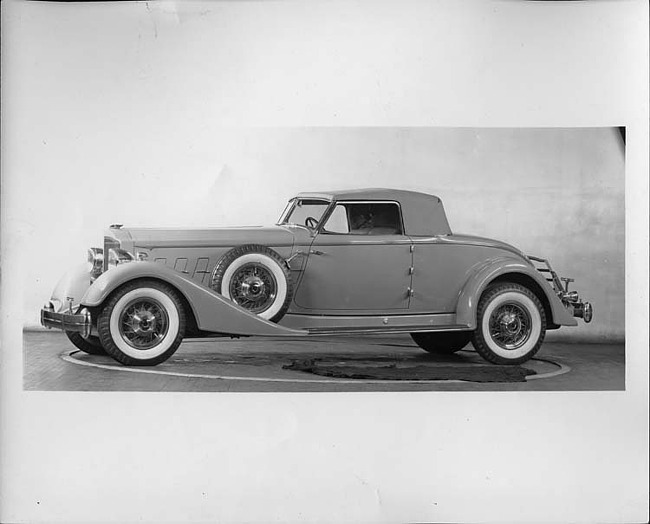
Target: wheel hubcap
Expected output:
[144,323]
[510,326]
[253,287]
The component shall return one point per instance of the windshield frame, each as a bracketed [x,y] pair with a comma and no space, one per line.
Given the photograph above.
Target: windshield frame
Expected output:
[291,205]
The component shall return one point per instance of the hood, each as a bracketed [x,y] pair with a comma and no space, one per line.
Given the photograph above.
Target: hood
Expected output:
[149,238]
[485,242]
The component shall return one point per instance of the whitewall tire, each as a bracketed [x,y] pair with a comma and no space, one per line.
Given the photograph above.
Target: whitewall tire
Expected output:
[142,324]
[511,324]
[257,279]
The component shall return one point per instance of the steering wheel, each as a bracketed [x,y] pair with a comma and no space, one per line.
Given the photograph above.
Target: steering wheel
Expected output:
[311,222]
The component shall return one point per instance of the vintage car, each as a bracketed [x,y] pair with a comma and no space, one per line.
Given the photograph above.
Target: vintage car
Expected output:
[370,261]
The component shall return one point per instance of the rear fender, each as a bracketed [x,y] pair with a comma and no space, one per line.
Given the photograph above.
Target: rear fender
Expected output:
[212,312]
[495,268]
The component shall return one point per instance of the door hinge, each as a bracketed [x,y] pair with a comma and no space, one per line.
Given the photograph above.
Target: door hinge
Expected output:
[412,248]
[411,270]
[410,292]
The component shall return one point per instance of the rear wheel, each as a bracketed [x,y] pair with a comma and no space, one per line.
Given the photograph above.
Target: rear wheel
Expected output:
[91,345]
[142,324]
[442,342]
[511,324]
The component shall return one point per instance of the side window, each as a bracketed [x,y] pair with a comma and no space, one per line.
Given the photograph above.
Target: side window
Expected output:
[338,221]
[365,219]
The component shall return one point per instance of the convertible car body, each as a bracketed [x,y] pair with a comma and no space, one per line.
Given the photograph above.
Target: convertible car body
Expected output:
[343,262]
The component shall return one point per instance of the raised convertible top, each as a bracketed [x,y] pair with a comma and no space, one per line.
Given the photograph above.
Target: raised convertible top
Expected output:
[423,214]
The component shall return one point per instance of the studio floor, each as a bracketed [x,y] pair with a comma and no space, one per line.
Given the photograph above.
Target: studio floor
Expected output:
[52,363]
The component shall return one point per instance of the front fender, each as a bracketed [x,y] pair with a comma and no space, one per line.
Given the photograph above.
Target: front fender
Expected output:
[212,312]
[71,288]
[476,284]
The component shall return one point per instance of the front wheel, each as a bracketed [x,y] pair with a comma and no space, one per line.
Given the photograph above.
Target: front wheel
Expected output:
[511,324]
[142,324]
[443,342]
[91,345]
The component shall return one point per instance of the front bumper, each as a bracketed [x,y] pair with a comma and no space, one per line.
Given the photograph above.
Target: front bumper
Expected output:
[80,322]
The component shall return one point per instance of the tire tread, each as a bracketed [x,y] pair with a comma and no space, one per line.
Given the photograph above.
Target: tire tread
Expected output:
[91,345]
[442,342]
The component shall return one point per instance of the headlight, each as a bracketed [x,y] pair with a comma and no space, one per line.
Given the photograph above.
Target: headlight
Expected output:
[96,258]
[118,256]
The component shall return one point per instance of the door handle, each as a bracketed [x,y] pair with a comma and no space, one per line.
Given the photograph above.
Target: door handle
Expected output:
[315,252]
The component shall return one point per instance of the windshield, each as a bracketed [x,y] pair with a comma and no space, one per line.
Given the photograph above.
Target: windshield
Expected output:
[304,212]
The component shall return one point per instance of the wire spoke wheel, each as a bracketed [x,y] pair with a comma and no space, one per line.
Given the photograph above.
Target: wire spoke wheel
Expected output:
[253,287]
[255,278]
[144,323]
[510,326]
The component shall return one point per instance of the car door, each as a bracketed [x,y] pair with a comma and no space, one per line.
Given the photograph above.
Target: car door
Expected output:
[442,266]
[359,262]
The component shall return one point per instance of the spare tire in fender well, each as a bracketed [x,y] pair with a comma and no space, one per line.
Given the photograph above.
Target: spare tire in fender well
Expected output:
[256,278]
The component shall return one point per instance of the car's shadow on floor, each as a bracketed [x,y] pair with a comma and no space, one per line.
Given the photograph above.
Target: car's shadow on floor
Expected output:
[408,363]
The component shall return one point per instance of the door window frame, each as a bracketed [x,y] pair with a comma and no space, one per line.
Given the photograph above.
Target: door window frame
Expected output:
[328,212]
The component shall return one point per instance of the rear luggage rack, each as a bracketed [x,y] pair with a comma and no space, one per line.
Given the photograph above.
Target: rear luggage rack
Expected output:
[551,276]
[570,299]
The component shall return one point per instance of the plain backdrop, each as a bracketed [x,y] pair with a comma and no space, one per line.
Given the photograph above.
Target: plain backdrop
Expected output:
[550,192]
[208,113]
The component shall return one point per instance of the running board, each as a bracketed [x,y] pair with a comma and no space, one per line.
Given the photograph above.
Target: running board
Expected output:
[385,331]
[331,324]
